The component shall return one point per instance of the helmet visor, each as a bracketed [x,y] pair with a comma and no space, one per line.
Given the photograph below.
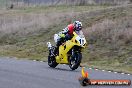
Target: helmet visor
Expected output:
[79,27]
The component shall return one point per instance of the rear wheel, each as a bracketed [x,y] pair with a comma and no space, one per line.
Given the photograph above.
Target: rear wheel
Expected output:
[52,62]
[51,58]
[75,61]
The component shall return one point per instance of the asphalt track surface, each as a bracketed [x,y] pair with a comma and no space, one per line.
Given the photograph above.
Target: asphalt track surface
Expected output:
[33,74]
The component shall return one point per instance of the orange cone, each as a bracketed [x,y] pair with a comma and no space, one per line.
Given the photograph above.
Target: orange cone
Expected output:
[84,74]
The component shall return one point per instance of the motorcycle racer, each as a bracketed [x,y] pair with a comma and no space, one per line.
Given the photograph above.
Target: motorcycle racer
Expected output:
[66,33]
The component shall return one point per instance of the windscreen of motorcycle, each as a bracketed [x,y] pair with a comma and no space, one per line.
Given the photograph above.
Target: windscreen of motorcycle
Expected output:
[80,33]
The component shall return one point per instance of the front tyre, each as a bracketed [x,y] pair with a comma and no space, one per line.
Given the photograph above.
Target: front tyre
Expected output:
[52,62]
[75,61]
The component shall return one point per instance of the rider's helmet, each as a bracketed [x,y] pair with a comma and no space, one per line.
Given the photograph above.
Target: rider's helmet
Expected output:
[78,25]
[70,28]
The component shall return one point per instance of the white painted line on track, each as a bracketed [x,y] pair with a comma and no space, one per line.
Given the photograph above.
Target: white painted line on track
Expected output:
[96,69]
[115,72]
[109,71]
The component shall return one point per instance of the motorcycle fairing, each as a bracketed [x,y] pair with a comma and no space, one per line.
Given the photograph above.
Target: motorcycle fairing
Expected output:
[63,50]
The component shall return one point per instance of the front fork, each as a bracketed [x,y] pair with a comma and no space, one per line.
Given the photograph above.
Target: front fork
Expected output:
[73,55]
[75,51]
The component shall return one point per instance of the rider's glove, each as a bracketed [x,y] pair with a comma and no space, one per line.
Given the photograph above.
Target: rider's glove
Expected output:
[62,35]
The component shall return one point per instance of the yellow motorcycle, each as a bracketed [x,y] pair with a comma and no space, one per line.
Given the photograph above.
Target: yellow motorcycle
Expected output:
[69,52]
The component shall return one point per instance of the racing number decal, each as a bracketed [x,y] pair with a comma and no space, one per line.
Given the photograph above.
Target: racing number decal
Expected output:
[80,41]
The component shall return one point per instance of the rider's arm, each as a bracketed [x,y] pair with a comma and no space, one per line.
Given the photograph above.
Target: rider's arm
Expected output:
[65,30]
[61,34]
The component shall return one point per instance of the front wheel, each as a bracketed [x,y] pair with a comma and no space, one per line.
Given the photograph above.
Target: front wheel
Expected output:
[75,61]
[52,62]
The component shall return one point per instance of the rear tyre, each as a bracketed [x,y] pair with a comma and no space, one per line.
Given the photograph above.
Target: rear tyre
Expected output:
[75,61]
[52,62]
[51,58]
